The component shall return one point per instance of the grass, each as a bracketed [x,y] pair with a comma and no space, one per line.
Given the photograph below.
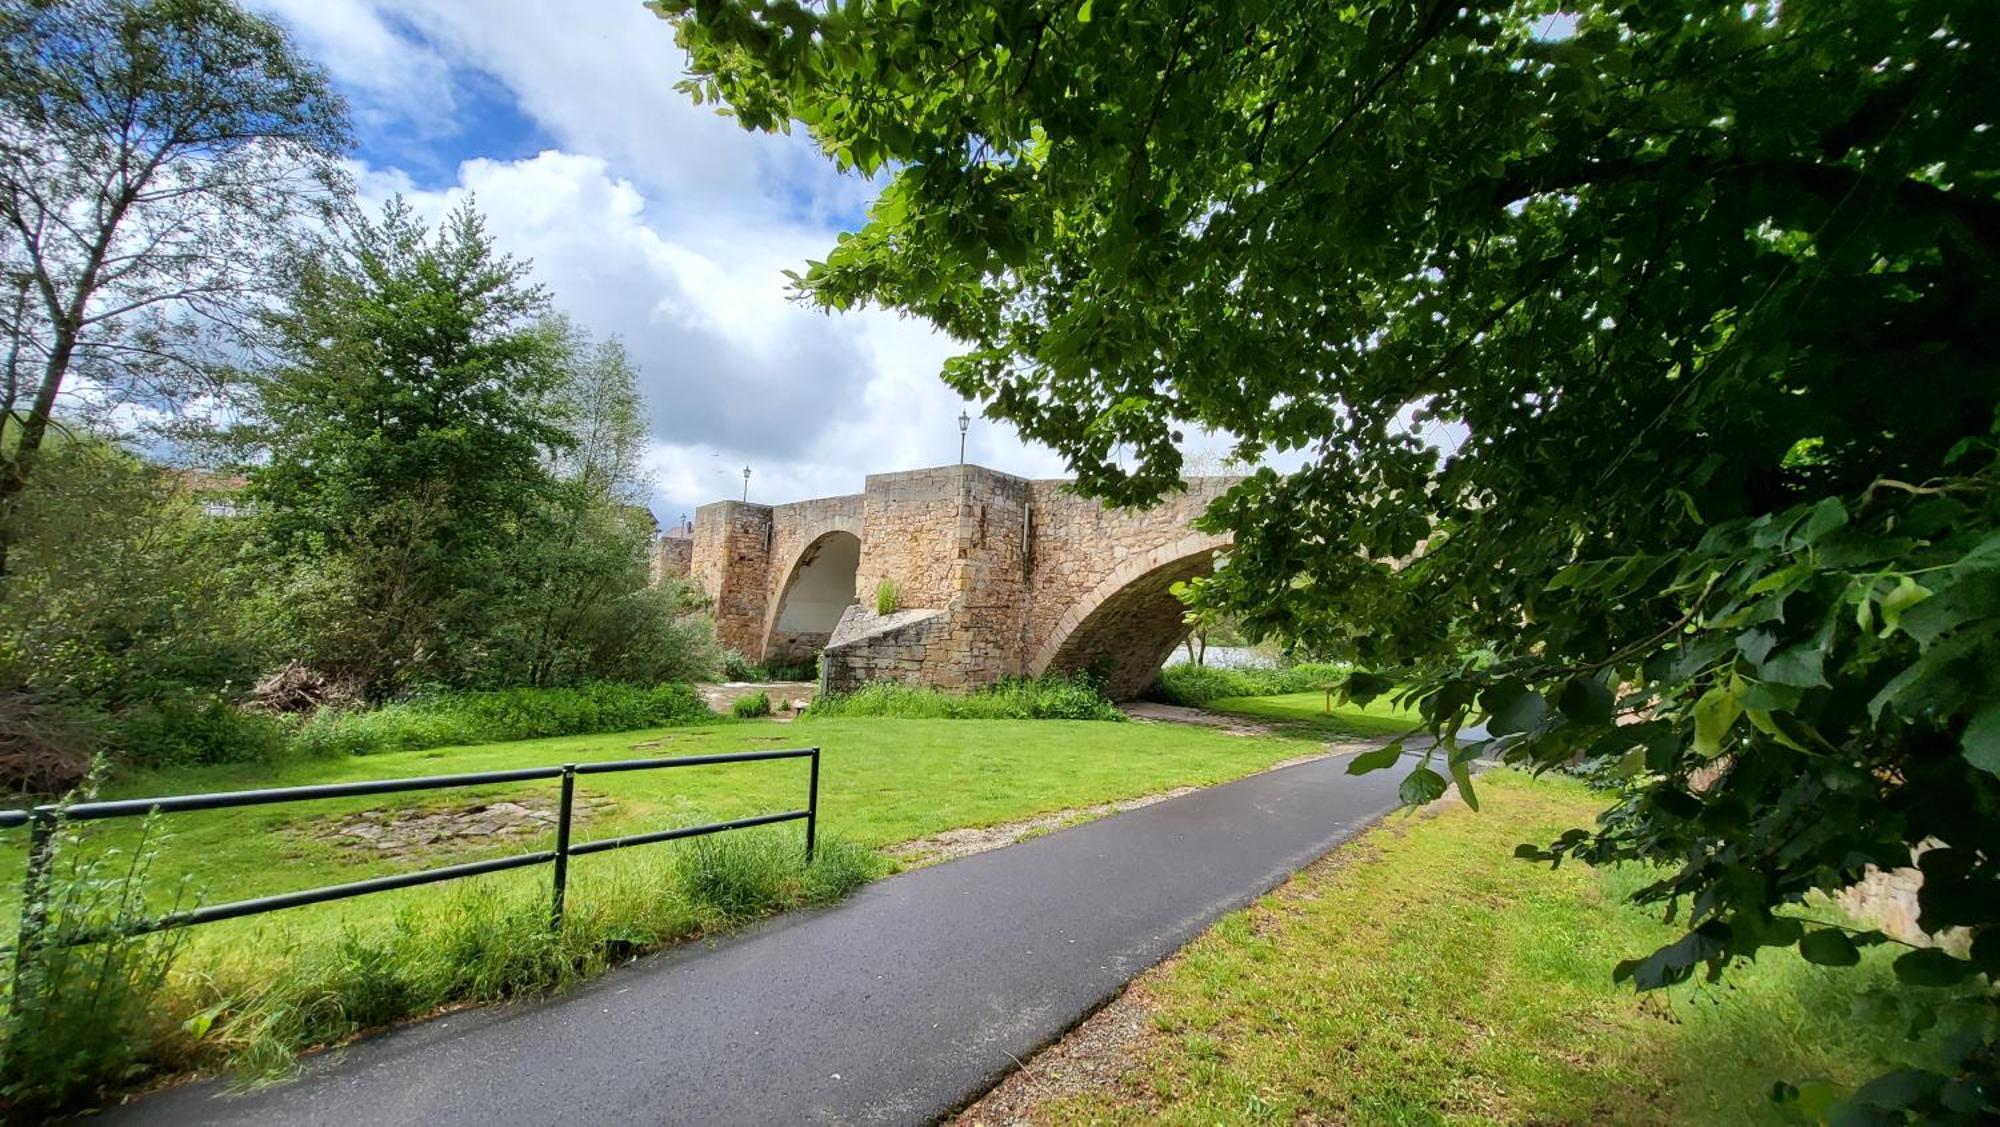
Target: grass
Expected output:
[1306,714]
[258,988]
[1423,975]
[1020,698]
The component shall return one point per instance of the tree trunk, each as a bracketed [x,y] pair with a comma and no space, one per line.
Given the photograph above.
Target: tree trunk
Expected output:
[14,471]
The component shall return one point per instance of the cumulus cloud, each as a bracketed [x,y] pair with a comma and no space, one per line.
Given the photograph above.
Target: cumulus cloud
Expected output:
[734,370]
[663,223]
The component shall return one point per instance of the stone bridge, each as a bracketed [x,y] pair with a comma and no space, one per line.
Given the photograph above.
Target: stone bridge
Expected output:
[996,575]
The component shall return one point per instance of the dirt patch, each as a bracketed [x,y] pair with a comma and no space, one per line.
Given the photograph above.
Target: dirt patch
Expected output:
[1153,712]
[953,844]
[391,831]
[1090,1058]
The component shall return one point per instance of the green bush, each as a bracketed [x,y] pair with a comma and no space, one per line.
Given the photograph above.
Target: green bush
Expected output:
[1045,698]
[448,719]
[1197,685]
[191,729]
[750,706]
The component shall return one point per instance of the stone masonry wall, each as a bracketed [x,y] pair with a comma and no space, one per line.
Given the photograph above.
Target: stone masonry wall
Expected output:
[999,576]
[731,565]
[672,556]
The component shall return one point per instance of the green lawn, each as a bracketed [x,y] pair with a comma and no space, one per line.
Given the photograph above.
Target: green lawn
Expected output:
[882,781]
[1306,714]
[1423,975]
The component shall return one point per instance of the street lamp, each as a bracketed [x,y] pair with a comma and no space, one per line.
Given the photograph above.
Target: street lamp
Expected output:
[746,484]
[964,421]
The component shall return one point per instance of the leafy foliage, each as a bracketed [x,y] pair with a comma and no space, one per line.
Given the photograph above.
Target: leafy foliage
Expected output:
[1708,291]
[153,154]
[403,439]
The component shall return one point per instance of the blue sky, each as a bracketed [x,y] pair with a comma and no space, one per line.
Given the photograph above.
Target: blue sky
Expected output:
[656,220]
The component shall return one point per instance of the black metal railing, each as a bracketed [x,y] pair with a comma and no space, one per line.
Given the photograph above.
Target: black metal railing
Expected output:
[43,820]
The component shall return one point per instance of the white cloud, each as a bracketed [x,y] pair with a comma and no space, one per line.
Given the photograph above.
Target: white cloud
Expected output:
[734,370]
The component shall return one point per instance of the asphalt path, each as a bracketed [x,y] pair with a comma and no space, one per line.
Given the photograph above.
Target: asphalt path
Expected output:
[899,1005]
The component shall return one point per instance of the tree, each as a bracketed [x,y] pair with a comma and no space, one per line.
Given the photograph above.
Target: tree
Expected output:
[578,604]
[150,152]
[402,442]
[1709,289]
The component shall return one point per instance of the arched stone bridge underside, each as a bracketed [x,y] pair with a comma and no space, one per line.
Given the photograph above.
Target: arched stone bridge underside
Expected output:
[996,576]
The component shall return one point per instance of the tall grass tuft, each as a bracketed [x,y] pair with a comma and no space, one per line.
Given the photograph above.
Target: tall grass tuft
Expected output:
[447,719]
[888,597]
[83,1020]
[1044,698]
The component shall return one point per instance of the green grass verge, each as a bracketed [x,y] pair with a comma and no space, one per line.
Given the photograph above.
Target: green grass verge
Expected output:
[1423,975]
[1306,714]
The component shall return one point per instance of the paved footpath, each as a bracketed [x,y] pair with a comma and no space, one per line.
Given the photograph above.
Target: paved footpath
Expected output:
[899,1005]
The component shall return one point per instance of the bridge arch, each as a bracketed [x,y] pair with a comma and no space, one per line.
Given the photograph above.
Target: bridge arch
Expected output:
[1130,622]
[818,587]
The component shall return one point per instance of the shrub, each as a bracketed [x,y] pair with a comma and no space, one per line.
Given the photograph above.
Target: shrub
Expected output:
[1045,698]
[447,719]
[750,706]
[888,596]
[1197,685]
[81,1020]
[194,729]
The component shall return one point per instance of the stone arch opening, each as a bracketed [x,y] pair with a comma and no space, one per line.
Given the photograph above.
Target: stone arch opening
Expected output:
[817,591]
[1127,627]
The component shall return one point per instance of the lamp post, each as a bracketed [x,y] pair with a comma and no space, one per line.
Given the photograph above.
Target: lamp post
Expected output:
[964,421]
[746,484]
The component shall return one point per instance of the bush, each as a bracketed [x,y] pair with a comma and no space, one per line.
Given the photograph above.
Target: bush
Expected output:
[448,719]
[1197,685]
[195,729]
[1045,698]
[82,1020]
[750,706]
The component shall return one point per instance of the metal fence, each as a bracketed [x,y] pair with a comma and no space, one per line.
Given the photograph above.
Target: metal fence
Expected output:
[42,822]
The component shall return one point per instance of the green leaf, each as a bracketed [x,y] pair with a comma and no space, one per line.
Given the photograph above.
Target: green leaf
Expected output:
[1586,700]
[1360,687]
[1714,714]
[1928,966]
[1375,760]
[1512,707]
[1083,13]
[1908,593]
[1802,666]
[1826,516]
[1461,774]
[1981,740]
[1829,947]
[1421,787]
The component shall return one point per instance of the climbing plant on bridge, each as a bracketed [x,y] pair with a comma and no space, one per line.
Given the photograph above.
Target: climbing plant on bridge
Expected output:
[1699,299]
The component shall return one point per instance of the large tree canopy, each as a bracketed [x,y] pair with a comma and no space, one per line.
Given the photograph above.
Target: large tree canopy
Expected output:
[1710,291]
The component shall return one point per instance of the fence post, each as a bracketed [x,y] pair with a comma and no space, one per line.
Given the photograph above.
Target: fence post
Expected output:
[34,896]
[562,844]
[812,806]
